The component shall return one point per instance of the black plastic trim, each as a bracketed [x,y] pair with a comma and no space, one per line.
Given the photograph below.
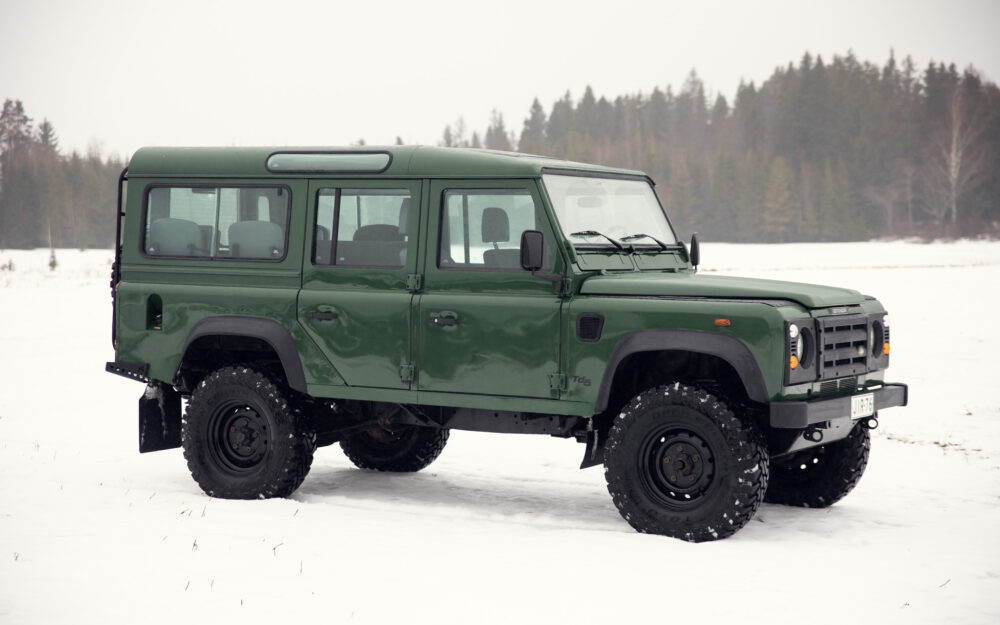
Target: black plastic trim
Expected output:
[801,414]
[267,330]
[729,349]
[116,267]
[132,370]
[584,316]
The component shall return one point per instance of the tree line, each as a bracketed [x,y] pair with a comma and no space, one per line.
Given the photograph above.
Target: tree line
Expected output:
[820,151]
[50,199]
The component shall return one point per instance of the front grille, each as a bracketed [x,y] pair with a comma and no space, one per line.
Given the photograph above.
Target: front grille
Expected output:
[843,346]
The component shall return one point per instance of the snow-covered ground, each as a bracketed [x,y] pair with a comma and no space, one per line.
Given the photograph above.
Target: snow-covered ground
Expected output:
[501,529]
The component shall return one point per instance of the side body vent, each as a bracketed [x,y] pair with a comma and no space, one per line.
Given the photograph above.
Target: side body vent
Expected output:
[589,327]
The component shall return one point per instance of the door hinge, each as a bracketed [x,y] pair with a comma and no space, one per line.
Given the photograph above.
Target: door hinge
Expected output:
[558,382]
[406,373]
[413,282]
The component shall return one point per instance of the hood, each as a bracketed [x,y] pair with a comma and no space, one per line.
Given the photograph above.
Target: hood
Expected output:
[730,287]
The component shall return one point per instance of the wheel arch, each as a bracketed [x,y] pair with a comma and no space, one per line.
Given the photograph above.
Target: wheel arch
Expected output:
[726,349]
[255,332]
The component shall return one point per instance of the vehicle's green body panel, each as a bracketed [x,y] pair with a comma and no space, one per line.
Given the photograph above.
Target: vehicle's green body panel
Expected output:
[515,347]
[701,285]
[407,161]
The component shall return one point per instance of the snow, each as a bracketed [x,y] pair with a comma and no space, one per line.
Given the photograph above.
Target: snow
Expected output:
[502,528]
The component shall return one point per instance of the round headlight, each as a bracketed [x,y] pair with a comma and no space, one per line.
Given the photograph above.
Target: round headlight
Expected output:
[804,348]
[793,331]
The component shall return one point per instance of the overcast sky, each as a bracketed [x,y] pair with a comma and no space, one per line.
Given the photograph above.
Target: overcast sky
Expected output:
[126,74]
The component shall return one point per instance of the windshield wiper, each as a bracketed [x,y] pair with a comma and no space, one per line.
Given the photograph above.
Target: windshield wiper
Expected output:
[642,235]
[595,233]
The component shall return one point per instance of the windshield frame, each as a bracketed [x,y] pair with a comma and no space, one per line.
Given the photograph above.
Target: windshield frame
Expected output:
[601,244]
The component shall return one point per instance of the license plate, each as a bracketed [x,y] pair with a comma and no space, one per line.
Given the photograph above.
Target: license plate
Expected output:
[862,405]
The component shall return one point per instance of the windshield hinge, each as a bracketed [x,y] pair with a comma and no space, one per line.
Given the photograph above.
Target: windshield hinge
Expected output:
[558,382]
[565,287]
[406,372]
[413,282]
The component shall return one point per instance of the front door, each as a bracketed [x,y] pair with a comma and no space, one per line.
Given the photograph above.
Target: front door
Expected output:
[355,302]
[485,325]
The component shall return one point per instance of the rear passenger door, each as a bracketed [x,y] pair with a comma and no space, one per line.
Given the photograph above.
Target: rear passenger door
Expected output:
[355,302]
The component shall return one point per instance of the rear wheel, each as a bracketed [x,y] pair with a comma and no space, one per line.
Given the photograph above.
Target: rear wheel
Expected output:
[243,439]
[403,448]
[820,476]
[679,463]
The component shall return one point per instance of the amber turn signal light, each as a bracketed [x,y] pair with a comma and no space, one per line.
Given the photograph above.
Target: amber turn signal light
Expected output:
[793,362]
[885,348]
[723,323]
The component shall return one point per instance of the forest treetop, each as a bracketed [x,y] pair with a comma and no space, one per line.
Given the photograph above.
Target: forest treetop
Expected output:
[820,151]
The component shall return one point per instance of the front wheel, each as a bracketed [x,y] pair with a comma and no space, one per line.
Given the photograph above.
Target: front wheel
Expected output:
[680,463]
[818,477]
[243,439]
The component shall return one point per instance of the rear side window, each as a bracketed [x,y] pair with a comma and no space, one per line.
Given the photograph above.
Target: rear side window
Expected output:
[217,222]
[362,227]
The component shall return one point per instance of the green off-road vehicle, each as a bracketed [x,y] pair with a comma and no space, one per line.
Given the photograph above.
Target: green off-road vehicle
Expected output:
[379,298]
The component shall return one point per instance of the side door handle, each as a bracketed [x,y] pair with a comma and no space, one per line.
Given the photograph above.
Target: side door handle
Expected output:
[444,319]
[322,315]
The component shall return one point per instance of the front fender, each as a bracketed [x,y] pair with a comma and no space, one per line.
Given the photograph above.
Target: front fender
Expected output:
[728,348]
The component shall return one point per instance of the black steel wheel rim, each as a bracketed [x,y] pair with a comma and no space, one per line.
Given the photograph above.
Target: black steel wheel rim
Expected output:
[239,437]
[676,467]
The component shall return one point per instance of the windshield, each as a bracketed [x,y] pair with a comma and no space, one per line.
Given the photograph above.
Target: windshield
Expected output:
[613,207]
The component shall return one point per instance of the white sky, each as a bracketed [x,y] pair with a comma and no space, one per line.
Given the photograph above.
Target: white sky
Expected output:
[126,74]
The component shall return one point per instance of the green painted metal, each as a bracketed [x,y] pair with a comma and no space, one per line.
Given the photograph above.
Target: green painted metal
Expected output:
[369,340]
[407,161]
[508,340]
[700,285]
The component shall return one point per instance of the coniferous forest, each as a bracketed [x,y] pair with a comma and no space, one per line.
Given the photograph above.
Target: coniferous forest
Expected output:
[823,150]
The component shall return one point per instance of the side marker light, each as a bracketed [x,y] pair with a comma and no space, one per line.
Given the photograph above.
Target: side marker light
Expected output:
[723,323]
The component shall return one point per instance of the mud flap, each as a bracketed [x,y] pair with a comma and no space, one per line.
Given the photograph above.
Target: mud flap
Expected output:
[595,450]
[159,418]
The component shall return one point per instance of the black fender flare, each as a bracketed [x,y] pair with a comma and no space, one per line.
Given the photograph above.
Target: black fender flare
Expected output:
[728,348]
[267,330]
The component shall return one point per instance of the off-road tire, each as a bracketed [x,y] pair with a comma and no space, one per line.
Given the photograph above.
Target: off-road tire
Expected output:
[820,476]
[243,438]
[401,449]
[680,463]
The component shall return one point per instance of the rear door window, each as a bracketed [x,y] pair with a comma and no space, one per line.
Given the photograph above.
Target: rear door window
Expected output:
[217,222]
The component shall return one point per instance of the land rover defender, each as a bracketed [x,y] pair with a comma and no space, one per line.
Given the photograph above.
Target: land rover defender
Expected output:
[380,297]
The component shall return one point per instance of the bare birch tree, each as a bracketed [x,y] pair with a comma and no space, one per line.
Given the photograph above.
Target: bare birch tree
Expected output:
[956,157]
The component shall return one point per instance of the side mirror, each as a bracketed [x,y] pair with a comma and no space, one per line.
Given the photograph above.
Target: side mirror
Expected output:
[532,243]
[695,250]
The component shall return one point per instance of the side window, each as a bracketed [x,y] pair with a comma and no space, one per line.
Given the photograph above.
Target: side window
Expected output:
[362,227]
[217,222]
[482,229]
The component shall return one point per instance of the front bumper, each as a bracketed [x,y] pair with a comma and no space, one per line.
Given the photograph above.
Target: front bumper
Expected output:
[804,414]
